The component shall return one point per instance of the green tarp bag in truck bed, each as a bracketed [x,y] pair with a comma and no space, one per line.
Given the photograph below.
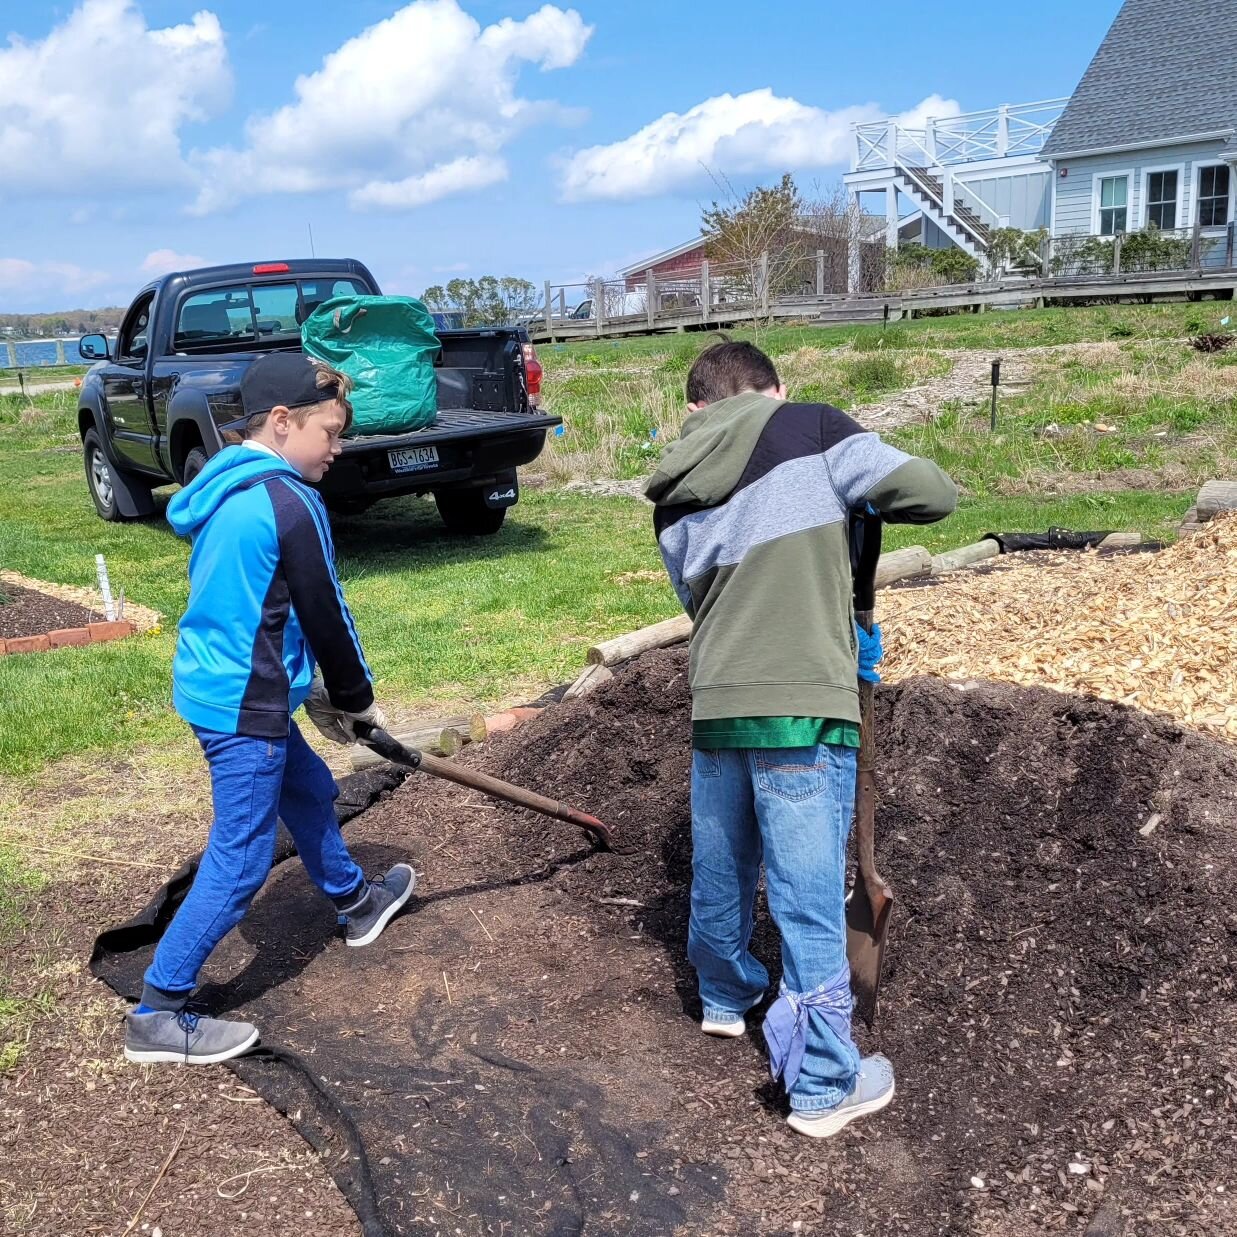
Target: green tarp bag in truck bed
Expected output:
[386,345]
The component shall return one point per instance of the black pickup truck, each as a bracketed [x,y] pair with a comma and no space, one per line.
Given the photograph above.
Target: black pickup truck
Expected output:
[149,413]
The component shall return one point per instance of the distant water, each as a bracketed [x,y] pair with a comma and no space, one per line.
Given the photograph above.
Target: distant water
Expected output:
[33,353]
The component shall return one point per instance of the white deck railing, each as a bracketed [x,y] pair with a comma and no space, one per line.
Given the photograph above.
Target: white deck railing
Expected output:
[999,132]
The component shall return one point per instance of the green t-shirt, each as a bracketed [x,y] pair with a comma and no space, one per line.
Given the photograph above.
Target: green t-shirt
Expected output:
[772,732]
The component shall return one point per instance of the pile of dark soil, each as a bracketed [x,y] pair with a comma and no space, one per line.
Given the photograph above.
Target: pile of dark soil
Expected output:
[520,1054]
[27,612]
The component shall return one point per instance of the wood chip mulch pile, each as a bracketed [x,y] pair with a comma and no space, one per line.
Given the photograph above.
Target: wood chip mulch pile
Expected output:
[1154,631]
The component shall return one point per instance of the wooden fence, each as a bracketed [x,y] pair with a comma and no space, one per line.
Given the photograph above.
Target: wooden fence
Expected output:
[610,310]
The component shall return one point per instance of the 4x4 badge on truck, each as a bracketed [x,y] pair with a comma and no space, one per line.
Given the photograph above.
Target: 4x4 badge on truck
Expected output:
[496,497]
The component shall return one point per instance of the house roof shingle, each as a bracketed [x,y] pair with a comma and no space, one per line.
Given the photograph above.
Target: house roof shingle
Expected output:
[1163,72]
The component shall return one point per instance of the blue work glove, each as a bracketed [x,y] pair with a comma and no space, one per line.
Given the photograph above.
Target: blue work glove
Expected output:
[871,650]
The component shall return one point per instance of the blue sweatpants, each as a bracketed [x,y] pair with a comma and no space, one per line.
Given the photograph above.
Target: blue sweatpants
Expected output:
[255,783]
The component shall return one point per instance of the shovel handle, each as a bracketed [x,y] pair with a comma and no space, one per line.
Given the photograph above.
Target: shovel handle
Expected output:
[867,541]
[392,749]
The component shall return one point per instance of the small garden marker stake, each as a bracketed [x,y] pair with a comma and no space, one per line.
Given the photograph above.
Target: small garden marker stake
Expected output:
[996,382]
[105,587]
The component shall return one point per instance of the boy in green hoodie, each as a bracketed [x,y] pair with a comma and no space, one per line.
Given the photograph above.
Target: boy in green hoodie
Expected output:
[753,512]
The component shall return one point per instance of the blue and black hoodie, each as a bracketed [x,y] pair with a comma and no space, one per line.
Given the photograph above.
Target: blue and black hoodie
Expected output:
[264,600]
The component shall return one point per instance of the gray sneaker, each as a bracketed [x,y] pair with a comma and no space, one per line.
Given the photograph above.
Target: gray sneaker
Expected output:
[185,1038]
[873,1091]
[383,899]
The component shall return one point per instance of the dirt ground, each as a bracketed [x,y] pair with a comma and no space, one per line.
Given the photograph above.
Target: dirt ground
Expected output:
[30,613]
[520,1054]
[83,1134]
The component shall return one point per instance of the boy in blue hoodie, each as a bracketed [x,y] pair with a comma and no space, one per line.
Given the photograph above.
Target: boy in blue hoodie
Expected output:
[266,630]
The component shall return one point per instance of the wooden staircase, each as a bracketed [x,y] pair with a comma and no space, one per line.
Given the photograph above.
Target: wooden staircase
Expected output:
[956,218]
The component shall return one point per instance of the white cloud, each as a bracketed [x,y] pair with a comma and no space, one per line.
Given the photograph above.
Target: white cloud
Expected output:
[99,102]
[730,134]
[164,261]
[21,279]
[411,109]
[458,176]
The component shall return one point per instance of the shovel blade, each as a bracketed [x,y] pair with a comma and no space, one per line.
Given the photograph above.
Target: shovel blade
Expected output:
[867,926]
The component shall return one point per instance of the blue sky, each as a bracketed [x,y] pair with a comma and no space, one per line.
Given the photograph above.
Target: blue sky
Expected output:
[450,137]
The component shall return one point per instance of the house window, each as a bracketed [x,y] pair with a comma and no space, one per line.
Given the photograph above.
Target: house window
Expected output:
[1162,200]
[1114,204]
[1213,196]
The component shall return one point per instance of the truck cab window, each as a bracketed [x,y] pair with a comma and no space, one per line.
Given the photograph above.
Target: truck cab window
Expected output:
[315,292]
[275,308]
[217,316]
[133,340]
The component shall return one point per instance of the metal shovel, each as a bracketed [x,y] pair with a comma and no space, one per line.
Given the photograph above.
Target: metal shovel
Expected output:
[870,901]
[393,750]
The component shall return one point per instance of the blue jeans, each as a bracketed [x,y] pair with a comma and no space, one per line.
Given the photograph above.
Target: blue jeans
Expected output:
[793,806]
[255,783]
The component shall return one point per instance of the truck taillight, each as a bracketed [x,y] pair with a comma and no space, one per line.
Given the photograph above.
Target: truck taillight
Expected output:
[532,373]
[271,268]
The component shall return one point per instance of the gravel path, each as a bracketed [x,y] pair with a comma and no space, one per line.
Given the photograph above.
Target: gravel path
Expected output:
[968,381]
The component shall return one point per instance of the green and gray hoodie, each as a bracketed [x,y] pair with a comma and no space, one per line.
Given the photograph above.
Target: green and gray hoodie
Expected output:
[753,510]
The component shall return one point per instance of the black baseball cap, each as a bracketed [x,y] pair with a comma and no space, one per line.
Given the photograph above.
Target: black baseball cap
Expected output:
[282,378]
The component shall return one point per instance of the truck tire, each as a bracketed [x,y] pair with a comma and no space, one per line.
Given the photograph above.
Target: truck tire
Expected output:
[195,461]
[465,513]
[100,478]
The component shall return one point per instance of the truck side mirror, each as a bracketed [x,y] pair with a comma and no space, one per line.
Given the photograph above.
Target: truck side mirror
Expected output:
[93,348]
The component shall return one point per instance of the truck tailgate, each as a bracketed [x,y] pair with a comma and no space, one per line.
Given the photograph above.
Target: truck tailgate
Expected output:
[454,423]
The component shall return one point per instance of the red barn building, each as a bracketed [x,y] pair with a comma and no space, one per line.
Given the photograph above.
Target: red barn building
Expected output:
[681,262]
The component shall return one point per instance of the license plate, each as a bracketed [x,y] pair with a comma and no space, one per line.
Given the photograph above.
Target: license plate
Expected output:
[413,459]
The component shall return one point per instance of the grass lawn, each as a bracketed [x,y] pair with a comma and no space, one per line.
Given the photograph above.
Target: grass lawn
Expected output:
[622,398]
[1152,415]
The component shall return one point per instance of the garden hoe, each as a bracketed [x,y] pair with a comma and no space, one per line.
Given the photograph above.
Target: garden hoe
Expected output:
[393,750]
[870,901]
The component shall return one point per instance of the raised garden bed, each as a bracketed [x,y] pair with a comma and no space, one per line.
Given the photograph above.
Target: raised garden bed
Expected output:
[35,618]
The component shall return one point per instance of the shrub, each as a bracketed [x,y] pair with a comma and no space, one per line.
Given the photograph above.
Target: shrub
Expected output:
[873,373]
[1153,250]
[942,266]
[1078,254]
[1015,250]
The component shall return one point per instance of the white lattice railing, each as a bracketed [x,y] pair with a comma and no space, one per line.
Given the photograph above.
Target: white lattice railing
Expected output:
[999,132]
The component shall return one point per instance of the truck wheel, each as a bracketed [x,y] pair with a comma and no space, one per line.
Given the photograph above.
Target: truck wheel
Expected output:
[99,477]
[195,461]
[464,512]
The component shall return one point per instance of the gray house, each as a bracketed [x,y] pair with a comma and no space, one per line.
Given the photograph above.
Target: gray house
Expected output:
[1148,139]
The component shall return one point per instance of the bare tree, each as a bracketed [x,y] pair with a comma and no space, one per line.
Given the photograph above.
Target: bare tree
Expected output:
[754,238]
[832,224]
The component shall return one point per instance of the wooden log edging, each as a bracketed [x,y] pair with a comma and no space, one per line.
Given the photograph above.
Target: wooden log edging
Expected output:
[965,556]
[913,560]
[1215,498]
[631,644]
[444,737]
[592,677]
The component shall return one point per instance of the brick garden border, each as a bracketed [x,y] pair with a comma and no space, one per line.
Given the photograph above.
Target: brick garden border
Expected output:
[68,637]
